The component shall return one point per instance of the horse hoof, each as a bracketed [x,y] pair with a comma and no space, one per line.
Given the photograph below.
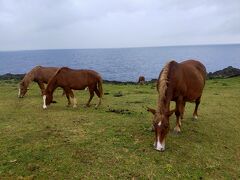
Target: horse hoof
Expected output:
[195,117]
[97,106]
[151,129]
[176,131]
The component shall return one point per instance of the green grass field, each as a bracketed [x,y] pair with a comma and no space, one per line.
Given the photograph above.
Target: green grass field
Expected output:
[87,143]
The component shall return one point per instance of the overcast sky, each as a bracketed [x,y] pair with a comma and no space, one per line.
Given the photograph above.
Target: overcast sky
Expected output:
[57,24]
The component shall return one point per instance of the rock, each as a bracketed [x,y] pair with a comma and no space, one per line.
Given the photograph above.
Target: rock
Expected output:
[9,76]
[224,73]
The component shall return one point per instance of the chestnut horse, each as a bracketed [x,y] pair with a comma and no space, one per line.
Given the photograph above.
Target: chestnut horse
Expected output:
[38,74]
[141,80]
[179,82]
[69,79]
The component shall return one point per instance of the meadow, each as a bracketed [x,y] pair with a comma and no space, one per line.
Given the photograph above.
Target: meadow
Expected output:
[114,141]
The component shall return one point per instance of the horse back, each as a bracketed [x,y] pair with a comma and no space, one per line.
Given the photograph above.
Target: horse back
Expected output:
[188,79]
[44,74]
[78,79]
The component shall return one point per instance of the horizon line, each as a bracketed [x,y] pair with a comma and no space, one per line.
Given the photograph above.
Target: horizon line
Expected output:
[130,47]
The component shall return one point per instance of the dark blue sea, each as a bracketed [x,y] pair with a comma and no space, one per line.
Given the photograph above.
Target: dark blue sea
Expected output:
[122,64]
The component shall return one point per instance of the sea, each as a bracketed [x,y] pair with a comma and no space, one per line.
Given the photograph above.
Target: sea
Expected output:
[121,64]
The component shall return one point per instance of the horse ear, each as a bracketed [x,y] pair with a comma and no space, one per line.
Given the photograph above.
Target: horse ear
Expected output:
[169,113]
[153,111]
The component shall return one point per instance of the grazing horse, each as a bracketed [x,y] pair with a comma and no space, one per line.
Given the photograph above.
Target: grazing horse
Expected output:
[38,74]
[141,80]
[179,82]
[69,79]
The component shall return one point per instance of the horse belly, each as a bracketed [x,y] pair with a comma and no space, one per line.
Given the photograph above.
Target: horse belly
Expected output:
[193,94]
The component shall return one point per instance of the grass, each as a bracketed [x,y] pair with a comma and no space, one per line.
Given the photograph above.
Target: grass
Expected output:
[114,141]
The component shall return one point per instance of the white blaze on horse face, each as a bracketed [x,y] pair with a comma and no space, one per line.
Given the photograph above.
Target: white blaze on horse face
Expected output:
[44,102]
[159,124]
[160,146]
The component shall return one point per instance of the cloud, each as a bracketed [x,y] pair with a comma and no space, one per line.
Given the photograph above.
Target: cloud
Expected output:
[43,24]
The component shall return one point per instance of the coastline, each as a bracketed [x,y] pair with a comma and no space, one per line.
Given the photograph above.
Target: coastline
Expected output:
[227,72]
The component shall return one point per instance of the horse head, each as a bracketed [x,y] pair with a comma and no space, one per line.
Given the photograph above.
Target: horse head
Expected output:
[47,99]
[160,127]
[22,89]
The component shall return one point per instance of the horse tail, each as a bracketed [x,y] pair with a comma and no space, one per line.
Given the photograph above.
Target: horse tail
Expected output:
[99,84]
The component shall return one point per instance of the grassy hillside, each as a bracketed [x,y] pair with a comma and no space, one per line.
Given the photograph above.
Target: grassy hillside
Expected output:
[114,141]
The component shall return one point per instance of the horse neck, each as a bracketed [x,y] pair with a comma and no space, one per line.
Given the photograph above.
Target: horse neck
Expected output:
[28,78]
[164,90]
[52,85]
[164,104]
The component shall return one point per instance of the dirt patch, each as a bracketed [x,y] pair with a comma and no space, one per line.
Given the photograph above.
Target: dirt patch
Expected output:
[84,156]
[118,94]
[142,92]
[134,102]
[33,167]
[119,111]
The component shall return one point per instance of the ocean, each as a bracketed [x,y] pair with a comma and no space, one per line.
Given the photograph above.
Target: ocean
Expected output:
[121,64]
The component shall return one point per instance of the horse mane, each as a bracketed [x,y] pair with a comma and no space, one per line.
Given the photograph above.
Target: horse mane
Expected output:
[53,78]
[29,77]
[162,86]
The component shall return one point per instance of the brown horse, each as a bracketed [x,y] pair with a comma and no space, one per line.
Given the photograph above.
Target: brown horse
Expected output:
[38,74]
[141,80]
[69,79]
[179,82]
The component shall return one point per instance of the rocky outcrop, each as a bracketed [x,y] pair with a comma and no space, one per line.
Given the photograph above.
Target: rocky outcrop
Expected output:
[225,73]
[10,76]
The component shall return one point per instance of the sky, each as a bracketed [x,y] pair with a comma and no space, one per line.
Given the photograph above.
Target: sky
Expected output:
[67,24]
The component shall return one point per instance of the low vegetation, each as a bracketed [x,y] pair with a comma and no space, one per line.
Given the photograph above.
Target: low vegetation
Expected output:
[114,141]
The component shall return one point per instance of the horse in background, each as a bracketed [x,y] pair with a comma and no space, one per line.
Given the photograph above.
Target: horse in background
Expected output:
[39,74]
[141,80]
[179,82]
[69,79]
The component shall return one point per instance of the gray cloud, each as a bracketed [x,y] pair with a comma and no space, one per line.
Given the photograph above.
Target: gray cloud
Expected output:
[43,24]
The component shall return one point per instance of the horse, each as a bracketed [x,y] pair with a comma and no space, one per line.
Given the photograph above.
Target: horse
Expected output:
[69,79]
[38,74]
[179,82]
[141,80]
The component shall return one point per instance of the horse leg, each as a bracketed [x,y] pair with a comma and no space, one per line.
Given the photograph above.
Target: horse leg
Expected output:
[73,98]
[91,92]
[182,109]
[64,93]
[41,86]
[195,114]
[68,97]
[69,92]
[179,115]
[99,96]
